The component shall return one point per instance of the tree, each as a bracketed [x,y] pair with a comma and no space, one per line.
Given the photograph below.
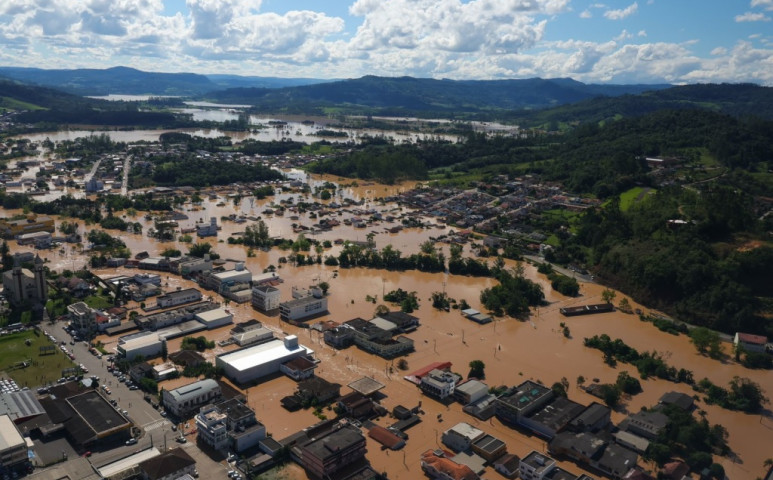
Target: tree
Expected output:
[610,394]
[324,286]
[608,295]
[624,305]
[580,380]
[200,249]
[706,341]
[628,384]
[559,390]
[477,369]
[381,310]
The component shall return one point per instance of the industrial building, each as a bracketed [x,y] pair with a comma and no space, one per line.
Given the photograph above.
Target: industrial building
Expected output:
[215,318]
[250,332]
[305,304]
[252,363]
[12,228]
[179,297]
[147,344]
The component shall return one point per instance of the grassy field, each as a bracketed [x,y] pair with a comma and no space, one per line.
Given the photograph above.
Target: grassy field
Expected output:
[632,196]
[43,368]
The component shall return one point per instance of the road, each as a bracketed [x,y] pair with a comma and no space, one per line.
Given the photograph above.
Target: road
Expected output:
[127,163]
[569,273]
[157,430]
[91,173]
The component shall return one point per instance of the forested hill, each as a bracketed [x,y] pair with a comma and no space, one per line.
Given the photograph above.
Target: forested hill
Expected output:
[122,80]
[46,107]
[738,100]
[400,95]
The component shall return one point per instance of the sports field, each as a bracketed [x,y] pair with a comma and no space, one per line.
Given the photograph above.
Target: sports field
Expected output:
[40,369]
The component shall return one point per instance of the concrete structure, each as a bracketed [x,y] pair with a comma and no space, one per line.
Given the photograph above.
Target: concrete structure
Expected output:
[170,465]
[229,425]
[215,318]
[39,239]
[647,424]
[595,417]
[21,285]
[439,384]
[192,265]
[252,363]
[332,451]
[507,465]
[266,298]
[470,391]
[179,297]
[147,279]
[303,307]
[489,448]
[266,278]
[147,344]
[749,342]
[163,371]
[185,400]
[82,317]
[12,228]
[299,368]
[223,281]
[461,436]
[13,447]
[551,417]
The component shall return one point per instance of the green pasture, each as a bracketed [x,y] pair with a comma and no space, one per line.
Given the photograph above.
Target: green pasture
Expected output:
[42,369]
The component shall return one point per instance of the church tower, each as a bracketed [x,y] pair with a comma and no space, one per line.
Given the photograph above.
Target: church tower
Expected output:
[41,287]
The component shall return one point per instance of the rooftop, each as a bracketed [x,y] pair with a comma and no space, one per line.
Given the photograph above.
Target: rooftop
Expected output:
[20,404]
[329,444]
[248,357]
[9,435]
[525,394]
[366,386]
[194,389]
[488,443]
[557,413]
[167,463]
[538,461]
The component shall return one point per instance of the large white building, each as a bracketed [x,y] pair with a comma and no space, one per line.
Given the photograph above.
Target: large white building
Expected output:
[305,304]
[185,400]
[13,447]
[251,363]
[147,344]
[215,318]
[179,297]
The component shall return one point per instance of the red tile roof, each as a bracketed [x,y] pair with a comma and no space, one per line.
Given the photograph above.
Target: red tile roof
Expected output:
[449,467]
[753,339]
[385,437]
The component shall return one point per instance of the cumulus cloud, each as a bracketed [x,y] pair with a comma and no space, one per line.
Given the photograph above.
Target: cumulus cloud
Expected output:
[622,13]
[752,17]
[586,14]
[766,4]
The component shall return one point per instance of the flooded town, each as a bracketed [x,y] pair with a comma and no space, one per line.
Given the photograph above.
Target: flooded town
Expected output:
[316,326]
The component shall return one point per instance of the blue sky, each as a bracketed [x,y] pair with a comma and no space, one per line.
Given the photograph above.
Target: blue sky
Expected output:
[616,41]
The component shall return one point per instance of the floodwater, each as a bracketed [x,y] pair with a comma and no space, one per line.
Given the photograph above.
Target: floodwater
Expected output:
[512,350]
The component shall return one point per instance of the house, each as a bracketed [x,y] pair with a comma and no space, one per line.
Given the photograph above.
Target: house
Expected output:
[595,417]
[139,371]
[489,447]
[681,400]
[749,342]
[187,358]
[207,230]
[470,391]
[302,307]
[438,464]
[356,405]
[516,403]
[185,400]
[229,425]
[647,424]
[298,368]
[319,389]
[265,298]
[386,437]
[507,465]
[674,470]
[170,465]
[405,322]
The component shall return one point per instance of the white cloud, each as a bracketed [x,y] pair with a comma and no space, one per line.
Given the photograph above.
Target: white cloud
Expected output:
[586,14]
[766,4]
[719,51]
[624,35]
[642,33]
[752,17]
[622,13]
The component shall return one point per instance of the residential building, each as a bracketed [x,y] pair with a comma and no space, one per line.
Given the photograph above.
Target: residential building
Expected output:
[82,317]
[187,358]
[229,425]
[318,388]
[489,447]
[254,362]
[39,239]
[215,318]
[192,265]
[141,370]
[331,451]
[170,465]
[647,424]
[339,337]
[163,371]
[298,368]
[185,400]
[552,417]
[229,280]
[180,297]
[21,285]
[439,384]
[681,400]
[595,417]
[749,342]
[13,447]
[266,298]
[461,436]
[386,437]
[267,278]
[371,337]
[535,466]
[507,465]
[404,321]
[303,307]
[437,464]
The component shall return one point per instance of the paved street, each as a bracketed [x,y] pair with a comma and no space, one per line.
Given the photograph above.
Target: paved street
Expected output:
[157,430]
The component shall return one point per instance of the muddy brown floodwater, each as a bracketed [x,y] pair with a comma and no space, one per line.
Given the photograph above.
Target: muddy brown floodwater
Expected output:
[512,350]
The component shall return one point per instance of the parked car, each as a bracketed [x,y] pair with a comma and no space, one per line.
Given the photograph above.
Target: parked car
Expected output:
[131,441]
